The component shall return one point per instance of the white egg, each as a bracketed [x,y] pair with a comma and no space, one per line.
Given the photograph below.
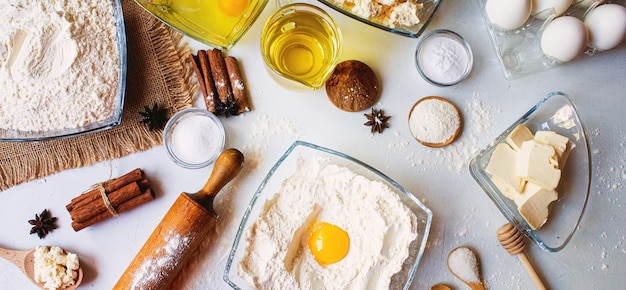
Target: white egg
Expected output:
[559,6]
[564,39]
[508,14]
[607,26]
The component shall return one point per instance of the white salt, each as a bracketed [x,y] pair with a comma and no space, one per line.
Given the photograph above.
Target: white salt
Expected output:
[196,139]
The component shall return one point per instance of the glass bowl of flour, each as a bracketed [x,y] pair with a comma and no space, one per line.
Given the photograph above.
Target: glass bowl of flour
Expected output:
[321,216]
[62,84]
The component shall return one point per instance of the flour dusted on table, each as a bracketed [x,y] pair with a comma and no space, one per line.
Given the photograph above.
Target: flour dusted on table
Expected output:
[380,228]
[58,64]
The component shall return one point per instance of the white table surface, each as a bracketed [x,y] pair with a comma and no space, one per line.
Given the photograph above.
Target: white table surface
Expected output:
[463,214]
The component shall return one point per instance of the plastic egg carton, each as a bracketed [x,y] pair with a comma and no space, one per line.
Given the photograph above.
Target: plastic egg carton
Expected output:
[519,51]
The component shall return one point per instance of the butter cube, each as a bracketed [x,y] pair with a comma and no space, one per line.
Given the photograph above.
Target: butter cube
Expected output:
[506,188]
[533,204]
[502,168]
[519,134]
[560,144]
[537,163]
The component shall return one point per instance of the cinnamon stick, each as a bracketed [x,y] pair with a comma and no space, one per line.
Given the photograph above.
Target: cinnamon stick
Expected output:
[237,84]
[109,186]
[136,201]
[207,75]
[114,196]
[220,75]
[195,63]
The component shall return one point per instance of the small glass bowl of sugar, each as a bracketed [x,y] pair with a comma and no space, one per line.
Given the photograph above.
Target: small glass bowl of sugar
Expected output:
[194,138]
[443,58]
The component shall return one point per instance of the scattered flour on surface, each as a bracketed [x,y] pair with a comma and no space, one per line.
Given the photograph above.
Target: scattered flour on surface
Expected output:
[478,119]
[269,131]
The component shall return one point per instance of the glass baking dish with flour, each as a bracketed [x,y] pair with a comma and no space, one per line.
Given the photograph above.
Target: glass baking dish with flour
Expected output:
[279,176]
[115,102]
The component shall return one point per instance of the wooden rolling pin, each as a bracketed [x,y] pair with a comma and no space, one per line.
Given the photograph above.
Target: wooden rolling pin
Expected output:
[180,231]
[513,241]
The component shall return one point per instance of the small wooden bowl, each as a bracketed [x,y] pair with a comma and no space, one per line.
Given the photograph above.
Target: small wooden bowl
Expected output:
[456,132]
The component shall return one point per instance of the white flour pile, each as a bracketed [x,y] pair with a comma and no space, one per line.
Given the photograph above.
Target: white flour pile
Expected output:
[58,64]
[380,228]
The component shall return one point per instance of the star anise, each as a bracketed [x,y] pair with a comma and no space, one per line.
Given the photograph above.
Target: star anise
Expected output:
[43,224]
[228,108]
[155,117]
[377,120]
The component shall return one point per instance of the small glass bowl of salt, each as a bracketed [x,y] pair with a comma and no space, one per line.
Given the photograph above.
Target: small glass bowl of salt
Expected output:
[194,138]
[443,58]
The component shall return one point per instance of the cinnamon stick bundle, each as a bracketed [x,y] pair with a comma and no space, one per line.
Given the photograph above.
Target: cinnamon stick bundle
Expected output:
[109,199]
[221,82]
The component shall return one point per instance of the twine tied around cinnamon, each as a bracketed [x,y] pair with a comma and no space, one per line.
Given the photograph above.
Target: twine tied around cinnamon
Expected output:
[110,198]
[105,198]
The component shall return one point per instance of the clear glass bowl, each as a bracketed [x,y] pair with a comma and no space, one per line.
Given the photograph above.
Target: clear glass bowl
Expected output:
[425,15]
[206,21]
[556,112]
[519,50]
[438,75]
[285,167]
[109,122]
[180,158]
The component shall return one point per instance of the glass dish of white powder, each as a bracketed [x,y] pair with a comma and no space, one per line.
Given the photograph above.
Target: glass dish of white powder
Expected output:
[63,72]
[387,226]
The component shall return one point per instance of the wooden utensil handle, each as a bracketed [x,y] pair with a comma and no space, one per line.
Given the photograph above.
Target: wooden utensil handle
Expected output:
[226,167]
[531,271]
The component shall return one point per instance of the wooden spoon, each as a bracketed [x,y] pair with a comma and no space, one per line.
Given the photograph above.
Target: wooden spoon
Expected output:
[25,260]
[456,132]
[472,284]
[513,242]
[440,287]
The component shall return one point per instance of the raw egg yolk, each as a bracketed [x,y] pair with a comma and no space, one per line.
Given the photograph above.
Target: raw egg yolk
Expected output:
[232,8]
[328,243]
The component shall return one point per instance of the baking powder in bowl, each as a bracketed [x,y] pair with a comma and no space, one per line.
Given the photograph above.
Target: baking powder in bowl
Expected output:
[443,58]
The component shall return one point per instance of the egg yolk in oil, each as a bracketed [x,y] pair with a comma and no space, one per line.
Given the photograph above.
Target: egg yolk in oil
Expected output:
[328,243]
[232,8]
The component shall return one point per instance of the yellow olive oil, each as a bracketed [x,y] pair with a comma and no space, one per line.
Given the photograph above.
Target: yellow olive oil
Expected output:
[301,45]
[219,23]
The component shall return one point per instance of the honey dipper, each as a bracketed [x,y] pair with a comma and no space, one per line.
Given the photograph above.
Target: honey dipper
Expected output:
[513,242]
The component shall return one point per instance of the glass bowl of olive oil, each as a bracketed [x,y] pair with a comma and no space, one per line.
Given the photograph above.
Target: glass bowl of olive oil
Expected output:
[218,23]
[301,43]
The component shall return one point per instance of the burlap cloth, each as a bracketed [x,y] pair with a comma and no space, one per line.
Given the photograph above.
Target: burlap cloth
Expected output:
[157,72]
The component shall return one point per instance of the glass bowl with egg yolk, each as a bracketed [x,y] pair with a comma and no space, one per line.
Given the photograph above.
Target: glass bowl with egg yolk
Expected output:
[218,23]
[330,241]
[556,112]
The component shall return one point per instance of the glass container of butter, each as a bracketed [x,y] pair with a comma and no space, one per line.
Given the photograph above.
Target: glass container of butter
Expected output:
[557,113]
[218,23]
